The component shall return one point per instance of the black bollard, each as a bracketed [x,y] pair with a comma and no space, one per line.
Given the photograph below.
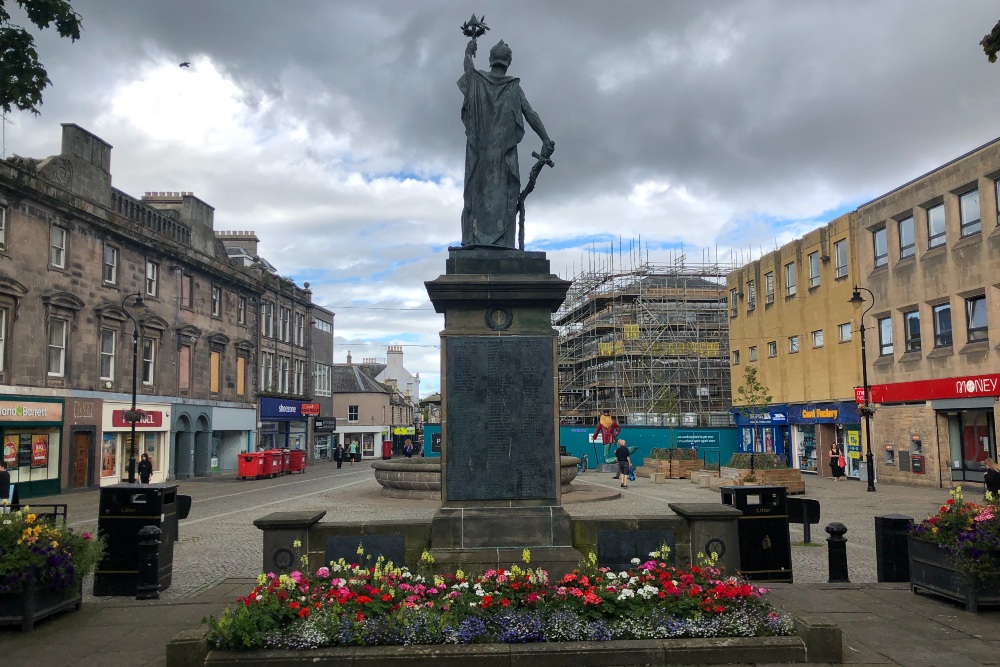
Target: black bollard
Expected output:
[148,583]
[837,552]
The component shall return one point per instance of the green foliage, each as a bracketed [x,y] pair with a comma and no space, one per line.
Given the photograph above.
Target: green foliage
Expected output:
[970,532]
[22,76]
[991,43]
[762,461]
[753,395]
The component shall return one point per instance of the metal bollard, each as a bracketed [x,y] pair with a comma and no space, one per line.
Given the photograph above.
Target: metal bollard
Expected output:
[837,553]
[148,582]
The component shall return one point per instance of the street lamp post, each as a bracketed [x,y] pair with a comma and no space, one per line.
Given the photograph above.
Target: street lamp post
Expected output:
[857,301]
[133,415]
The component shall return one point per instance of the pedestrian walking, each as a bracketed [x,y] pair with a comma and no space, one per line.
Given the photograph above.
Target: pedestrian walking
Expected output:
[408,449]
[145,468]
[624,462]
[354,451]
[338,455]
[992,478]
[837,462]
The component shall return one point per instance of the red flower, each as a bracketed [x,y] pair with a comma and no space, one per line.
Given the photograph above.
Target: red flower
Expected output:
[386,597]
[487,601]
[951,501]
[364,599]
[303,612]
[293,605]
[505,602]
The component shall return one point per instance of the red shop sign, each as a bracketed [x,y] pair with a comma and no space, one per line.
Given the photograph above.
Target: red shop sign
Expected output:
[971,386]
[310,409]
[150,419]
[859,394]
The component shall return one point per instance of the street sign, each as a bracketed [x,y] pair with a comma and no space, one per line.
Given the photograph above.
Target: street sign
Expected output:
[310,409]
[859,394]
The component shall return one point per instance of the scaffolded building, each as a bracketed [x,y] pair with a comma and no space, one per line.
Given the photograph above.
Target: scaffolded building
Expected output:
[648,342]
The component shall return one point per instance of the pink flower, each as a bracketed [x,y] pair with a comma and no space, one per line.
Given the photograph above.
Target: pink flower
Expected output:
[296,576]
[86,536]
[323,572]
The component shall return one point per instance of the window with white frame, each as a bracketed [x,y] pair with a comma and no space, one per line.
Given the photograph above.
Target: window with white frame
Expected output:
[880,247]
[283,363]
[299,377]
[3,227]
[110,264]
[996,199]
[751,295]
[911,331]
[241,310]
[884,326]
[107,354]
[58,330]
[57,246]
[216,301]
[152,278]
[352,413]
[968,210]
[907,243]
[267,319]
[148,361]
[975,319]
[772,349]
[733,306]
[300,329]
[793,344]
[322,380]
[3,338]
[935,226]
[845,331]
[840,258]
[753,353]
[790,279]
[769,287]
[817,338]
[736,357]
[814,269]
[941,318]
[283,317]
[266,371]
[323,325]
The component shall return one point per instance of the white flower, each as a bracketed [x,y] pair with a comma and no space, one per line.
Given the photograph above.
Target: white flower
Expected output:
[611,576]
[635,561]
[626,593]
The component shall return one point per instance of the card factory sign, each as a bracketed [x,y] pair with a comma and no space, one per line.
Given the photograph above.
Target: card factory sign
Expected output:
[30,411]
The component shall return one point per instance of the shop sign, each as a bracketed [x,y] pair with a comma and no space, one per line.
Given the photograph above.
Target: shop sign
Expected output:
[825,413]
[763,417]
[859,394]
[278,408]
[30,411]
[970,386]
[403,430]
[150,419]
[325,424]
[310,409]
[853,444]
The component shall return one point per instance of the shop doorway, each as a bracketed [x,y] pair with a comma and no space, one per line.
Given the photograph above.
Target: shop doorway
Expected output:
[83,455]
[972,440]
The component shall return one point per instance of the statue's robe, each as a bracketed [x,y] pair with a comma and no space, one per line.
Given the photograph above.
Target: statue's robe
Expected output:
[494,124]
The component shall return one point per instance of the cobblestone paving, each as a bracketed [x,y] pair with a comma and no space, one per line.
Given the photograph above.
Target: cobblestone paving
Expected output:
[219,540]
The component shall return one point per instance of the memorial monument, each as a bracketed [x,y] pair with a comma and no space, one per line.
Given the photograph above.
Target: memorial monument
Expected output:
[500,490]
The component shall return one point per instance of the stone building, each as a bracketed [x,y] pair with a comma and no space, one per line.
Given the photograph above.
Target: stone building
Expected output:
[74,255]
[404,387]
[362,408]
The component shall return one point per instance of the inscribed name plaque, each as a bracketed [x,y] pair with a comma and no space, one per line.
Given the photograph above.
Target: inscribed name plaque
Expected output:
[617,548]
[391,546]
[500,416]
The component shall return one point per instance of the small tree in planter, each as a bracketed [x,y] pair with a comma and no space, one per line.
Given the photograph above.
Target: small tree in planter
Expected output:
[754,397]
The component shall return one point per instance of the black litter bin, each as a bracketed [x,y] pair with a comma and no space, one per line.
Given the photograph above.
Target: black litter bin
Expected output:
[124,510]
[892,551]
[765,547]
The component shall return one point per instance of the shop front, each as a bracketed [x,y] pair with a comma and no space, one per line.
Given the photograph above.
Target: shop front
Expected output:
[816,427]
[954,431]
[763,430]
[324,438]
[152,435]
[31,429]
[282,425]
[233,431]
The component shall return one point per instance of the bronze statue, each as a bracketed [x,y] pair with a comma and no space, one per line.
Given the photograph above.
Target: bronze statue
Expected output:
[494,111]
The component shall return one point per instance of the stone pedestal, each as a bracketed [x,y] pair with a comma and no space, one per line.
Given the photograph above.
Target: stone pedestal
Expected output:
[500,471]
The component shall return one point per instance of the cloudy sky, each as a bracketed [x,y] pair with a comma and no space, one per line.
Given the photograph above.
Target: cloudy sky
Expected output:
[709,129]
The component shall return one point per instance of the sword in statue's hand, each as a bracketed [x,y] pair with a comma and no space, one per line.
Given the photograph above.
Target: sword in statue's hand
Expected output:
[540,161]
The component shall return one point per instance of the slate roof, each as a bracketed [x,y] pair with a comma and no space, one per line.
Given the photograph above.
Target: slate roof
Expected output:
[352,380]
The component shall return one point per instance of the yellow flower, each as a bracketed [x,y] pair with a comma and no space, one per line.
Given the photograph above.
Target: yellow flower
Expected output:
[526,556]
[934,529]
[30,518]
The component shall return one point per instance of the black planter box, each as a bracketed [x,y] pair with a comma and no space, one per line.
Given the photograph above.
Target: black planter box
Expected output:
[932,571]
[31,605]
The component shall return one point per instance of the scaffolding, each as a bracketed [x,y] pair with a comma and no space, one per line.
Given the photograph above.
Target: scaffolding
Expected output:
[647,341]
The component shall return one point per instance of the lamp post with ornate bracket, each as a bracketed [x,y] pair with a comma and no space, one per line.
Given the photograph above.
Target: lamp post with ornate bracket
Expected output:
[133,415]
[857,301]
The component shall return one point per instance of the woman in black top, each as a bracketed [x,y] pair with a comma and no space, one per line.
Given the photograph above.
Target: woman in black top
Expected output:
[835,467]
[145,469]
[624,462]
[992,478]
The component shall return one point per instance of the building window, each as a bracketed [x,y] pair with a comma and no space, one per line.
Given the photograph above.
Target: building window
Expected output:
[283,375]
[975,318]
[880,247]
[187,291]
[241,310]
[322,380]
[772,349]
[107,354]
[352,413]
[846,332]
[817,338]
[911,331]
[793,344]
[907,244]
[110,264]
[57,347]
[323,325]
[241,376]
[790,279]
[996,197]
[267,319]
[751,295]
[300,329]
[769,287]
[148,360]
[214,369]
[3,227]
[814,269]
[283,319]
[840,255]
[216,301]
[935,226]
[732,303]
[152,278]
[57,247]
[941,316]
[885,337]
[3,337]
[736,357]
[299,378]
[184,368]
[266,371]
[968,208]
[753,353]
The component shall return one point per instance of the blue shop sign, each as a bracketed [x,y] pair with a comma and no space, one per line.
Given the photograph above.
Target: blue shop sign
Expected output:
[841,412]
[773,415]
[279,409]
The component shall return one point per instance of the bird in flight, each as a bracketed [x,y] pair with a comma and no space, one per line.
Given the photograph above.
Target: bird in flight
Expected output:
[185,64]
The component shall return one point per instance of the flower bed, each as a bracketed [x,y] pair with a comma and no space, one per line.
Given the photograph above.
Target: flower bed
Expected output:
[349,605]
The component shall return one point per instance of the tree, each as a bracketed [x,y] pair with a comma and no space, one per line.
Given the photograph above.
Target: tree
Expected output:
[991,43]
[754,397]
[22,77]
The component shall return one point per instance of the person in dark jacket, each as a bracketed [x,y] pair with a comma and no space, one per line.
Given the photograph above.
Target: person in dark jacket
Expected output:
[338,455]
[408,449]
[4,483]
[624,462]
[992,478]
[145,469]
